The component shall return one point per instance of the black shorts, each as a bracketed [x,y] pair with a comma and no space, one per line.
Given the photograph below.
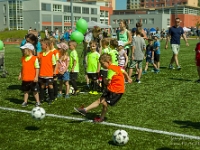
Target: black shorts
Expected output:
[93,76]
[73,75]
[104,73]
[48,81]
[110,97]
[30,86]
[157,57]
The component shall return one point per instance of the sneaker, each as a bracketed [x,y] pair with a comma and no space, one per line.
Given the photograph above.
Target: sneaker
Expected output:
[37,104]
[98,119]
[144,72]
[80,110]
[153,70]
[179,68]
[24,104]
[76,92]
[66,96]
[95,93]
[171,67]
[91,92]
[59,95]
[156,71]
[138,81]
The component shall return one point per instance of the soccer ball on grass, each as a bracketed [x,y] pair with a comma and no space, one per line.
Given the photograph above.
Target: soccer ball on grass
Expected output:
[38,113]
[120,137]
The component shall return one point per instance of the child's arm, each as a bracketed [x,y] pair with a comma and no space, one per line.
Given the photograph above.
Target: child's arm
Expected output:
[126,57]
[74,64]
[67,63]
[133,51]
[152,54]
[126,76]
[20,75]
[36,75]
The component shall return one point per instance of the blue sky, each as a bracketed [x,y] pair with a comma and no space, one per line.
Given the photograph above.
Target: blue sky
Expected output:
[120,4]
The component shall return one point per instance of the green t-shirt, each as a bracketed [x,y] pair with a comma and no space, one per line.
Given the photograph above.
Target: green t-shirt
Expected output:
[105,51]
[114,55]
[74,56]
[92,62]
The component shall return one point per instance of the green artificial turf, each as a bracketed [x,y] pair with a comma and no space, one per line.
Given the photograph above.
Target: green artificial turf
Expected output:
[167,101]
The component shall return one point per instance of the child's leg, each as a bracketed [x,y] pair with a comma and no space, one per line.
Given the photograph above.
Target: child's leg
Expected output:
[198,70]
[42,90]
[51,89]
[67,87]
[146,67]
[36,95]
[95,104]
[60,86]
[104,109]
[55,86]
[26,93]
[73,78]
[130,72]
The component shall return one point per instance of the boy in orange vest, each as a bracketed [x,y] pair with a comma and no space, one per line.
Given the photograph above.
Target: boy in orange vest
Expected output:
[115,88]
[47,70]
[29,74]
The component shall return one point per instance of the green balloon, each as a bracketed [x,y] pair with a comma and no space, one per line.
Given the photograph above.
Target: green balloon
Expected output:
[81,25]
[1,45]
[82,31]
[77,36]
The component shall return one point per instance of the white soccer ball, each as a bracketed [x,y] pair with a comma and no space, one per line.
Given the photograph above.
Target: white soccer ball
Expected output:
[71,90]
[120,137]
[38,113]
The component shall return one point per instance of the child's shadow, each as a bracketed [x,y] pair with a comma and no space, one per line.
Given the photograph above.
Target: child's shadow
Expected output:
[14,87]
[16,101]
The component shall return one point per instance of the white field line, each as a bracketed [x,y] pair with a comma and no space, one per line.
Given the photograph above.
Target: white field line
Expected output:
[112,124]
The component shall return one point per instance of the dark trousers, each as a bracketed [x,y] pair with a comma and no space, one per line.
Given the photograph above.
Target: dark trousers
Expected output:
[73,78]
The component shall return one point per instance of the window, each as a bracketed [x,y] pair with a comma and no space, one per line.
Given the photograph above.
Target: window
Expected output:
[85,10]
[46,7]
[131,21]
[114,21]
[151,21]
[94,19]
[67,8]
[57,8]
[94,11]
[106,13]
[86,18]
[67,18]
[144,21]
[168,22]
[4,8]
[4,20]
[76,18]
[77,10]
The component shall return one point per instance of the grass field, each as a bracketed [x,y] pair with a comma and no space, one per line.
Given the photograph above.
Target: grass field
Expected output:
[168,101]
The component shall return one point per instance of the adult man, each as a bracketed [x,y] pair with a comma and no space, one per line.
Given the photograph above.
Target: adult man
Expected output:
[175,33]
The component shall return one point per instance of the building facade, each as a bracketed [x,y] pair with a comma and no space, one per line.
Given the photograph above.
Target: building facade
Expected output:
[106,8]
[39,14]
[136,4]
[161,18]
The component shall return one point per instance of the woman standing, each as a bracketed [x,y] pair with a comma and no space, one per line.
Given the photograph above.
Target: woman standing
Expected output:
[125,36]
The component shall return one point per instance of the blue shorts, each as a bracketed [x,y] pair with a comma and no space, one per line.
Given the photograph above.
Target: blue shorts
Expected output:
[149,60]
[64,77]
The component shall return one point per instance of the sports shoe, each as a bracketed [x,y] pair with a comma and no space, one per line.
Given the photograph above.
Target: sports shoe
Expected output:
[59,95]
[37,104]
[171,67]
[80,110]
[76,92]
[95,93]
[66,96]
[138,81]
[24,104]
[156,71]
[144,72]
[98,119]
[179,68]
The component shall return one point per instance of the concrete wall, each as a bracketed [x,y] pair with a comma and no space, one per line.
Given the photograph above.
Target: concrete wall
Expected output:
[4,13]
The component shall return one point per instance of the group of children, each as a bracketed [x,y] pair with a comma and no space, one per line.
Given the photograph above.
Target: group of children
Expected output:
[41,72]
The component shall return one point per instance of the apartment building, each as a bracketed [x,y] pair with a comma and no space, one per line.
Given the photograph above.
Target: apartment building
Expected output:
[136,4]
[39,14]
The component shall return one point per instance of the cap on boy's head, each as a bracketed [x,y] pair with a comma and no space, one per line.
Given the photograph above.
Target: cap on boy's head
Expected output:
[134,29]
[28,46]
[63,46]
[120,43]
[150,40]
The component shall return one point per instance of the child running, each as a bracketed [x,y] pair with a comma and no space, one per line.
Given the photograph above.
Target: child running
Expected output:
[197,59]
[93,67]
[29,74]
[115,88]
[62,67]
